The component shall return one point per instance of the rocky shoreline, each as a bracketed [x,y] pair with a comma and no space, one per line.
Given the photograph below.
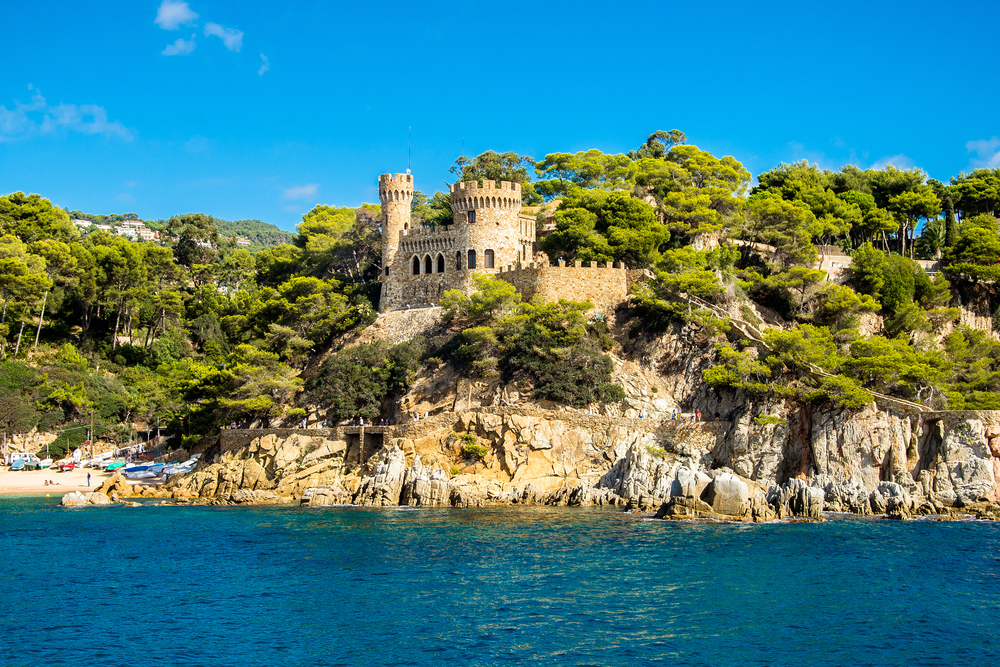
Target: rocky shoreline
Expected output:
[671,470]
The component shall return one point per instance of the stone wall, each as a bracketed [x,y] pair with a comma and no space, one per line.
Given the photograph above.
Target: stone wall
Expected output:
[605,285]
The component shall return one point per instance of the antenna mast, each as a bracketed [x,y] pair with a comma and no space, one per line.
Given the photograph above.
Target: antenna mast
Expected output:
[409,150]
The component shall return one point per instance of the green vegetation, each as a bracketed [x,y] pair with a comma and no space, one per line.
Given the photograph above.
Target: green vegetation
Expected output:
[547,349]
[196,332]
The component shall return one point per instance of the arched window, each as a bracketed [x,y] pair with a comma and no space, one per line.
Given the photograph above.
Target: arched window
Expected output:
[488,259]
[416,265]
[440,263]
[406,225]
[458,260]
[472,217]
[428,265]
[472,259]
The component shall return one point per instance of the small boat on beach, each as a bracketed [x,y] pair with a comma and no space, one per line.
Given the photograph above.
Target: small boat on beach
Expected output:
[115,466]
[17,464]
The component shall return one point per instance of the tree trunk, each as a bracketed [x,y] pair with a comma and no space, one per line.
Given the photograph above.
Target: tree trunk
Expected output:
[114,334]
[130,326]
[18,348]
[41,318]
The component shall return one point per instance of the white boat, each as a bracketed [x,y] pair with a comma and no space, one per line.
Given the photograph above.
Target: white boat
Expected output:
[44,463]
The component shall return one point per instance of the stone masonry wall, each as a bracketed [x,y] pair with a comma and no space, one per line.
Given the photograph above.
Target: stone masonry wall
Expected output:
[605,286]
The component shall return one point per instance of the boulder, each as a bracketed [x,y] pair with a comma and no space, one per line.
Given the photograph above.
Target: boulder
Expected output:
[796,498]
[808,502]
[849,496]
[886,491]
[322,496]
[78,499]
[897,508]
[682,507]
[727,494]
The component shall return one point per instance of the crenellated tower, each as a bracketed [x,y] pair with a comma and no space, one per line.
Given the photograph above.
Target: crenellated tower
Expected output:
[487,222]
[396,194]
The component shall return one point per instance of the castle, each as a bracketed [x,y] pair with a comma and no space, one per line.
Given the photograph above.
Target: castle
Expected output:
[489,235]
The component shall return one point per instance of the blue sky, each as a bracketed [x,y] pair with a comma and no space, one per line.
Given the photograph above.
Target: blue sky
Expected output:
[262,110]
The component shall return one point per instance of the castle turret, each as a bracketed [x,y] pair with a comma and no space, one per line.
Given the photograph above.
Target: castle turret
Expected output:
[396,195]
[490,234]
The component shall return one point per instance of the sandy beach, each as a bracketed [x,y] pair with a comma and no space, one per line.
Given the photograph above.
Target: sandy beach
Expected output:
[33,481]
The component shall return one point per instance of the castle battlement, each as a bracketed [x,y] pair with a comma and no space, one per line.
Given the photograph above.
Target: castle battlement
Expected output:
[418,232]
[395,187]
[469,195]
[492,188]
[590,266]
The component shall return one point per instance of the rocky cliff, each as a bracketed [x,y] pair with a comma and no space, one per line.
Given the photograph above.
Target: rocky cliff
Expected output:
[752,460]
[752,468]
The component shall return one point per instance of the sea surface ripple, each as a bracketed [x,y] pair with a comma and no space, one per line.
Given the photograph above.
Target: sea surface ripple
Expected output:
[548,586]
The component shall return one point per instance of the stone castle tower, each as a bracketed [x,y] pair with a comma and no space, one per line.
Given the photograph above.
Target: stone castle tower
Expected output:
[420,263]
[396,195]
[490,234]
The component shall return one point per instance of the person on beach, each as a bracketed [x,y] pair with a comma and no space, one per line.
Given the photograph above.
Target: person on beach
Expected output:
[699,416]
[88,480]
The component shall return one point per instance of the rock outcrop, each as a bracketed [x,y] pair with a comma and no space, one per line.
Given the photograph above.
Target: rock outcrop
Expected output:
[78,499]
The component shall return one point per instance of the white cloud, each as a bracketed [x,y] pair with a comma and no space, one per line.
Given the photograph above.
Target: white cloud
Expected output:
[300,191]
[292,208]
[39,117]
[987,153]
[231,37]
[124,196]
[172,15]
[899,161]
[264,66]
[130,184]
[181,47]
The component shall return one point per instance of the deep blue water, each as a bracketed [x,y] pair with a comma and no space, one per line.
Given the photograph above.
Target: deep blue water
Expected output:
[345,586]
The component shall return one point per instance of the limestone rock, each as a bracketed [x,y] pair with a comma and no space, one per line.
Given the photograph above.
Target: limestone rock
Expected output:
[463,497]
[796,498]
[116,486]
[254,497]
[383,487]
[322,496]
[78,499]
[959,458]
[683,507]
[847,497]
[885,492]
[728,494]
[424,486]
[897,508]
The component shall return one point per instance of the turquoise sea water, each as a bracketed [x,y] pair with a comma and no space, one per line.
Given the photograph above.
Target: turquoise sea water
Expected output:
[349,586]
